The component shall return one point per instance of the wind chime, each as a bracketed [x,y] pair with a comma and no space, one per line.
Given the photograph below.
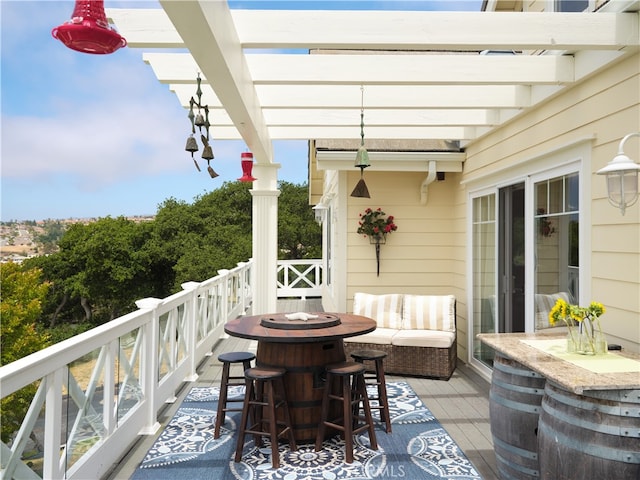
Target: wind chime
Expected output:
[202,122]
[362,157]
[88,30]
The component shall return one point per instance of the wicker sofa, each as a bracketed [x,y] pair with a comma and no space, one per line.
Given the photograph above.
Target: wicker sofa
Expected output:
[418,332]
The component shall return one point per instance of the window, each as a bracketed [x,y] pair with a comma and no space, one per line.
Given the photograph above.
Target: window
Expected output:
[571,5]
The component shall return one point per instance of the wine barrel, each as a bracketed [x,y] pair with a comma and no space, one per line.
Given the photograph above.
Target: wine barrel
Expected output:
[304,381]
[591,436]
[516,396]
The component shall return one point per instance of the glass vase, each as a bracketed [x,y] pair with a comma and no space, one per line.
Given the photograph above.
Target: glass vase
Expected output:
[586,343]
[572,339]
[601,346]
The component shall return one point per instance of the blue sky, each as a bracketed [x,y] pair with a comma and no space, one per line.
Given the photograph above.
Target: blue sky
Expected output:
[97,135]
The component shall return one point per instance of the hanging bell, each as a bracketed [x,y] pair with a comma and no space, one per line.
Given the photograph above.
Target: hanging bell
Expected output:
[199,121]
[88,30]
[207,152]
[246,160]
[192,145]
[362,158]
[361,190]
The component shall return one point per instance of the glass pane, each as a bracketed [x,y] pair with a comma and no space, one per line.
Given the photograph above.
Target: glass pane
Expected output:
[571,5]
[484,273]
[128,385]
[556,196]
[572,200]
[164,346]
[541,194]
[23,407]
[556,245]
[85,400]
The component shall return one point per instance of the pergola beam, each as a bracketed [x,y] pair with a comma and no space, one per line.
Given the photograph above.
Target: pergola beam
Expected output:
[335,69]
[376,96]
[421,30]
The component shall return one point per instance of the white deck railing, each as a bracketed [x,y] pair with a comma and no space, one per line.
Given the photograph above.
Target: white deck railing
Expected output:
[299,278]
[95,393]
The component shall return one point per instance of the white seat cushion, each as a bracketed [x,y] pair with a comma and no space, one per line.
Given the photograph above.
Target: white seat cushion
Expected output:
[386,310]
[423,338]
[380,336]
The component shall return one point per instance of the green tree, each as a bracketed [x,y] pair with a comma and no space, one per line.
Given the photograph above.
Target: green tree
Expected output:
[211,234]
[111,265]
[22,293]
[103,267]
[299,236]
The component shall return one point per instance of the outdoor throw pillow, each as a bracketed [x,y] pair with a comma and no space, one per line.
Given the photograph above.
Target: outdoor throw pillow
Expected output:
[429,312]
[386,310]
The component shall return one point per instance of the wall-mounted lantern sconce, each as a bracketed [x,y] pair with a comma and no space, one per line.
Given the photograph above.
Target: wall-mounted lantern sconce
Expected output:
[622,177]
[320,212]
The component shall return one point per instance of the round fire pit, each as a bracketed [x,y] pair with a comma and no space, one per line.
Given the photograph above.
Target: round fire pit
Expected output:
[281,322]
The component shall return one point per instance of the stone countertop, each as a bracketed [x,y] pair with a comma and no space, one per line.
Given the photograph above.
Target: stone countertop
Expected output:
[566,374]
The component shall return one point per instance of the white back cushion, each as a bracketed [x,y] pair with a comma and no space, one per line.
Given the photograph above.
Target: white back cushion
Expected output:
[544,303]
[386,310]
[429,312]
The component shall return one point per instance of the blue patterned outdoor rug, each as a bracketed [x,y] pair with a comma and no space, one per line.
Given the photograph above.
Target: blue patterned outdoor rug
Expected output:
[418,448]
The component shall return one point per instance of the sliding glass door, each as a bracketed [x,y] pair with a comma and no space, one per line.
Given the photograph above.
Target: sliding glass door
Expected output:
[500,244]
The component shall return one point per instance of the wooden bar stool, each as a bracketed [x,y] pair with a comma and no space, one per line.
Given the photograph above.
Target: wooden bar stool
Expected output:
[376,378]
[227,359]
[352,392]
[265,391]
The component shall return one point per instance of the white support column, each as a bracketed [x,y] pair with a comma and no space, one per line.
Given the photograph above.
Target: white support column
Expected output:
[265,237]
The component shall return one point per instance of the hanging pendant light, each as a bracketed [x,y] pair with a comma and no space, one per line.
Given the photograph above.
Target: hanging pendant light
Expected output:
[246,160]
[88,30]
[362,157]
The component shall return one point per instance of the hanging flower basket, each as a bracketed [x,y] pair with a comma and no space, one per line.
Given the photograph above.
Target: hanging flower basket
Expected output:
[373,224]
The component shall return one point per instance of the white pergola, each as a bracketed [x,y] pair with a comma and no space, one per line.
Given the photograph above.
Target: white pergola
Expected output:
[426,76]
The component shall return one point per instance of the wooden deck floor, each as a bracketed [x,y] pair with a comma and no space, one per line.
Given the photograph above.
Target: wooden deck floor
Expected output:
[461,404]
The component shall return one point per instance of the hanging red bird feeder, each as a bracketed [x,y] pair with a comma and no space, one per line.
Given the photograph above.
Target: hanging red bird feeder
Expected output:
[88,30]
[246,159]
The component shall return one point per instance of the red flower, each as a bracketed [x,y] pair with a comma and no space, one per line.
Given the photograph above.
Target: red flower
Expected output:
[374,224]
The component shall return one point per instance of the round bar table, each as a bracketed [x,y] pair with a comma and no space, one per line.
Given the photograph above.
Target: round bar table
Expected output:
[303,348]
